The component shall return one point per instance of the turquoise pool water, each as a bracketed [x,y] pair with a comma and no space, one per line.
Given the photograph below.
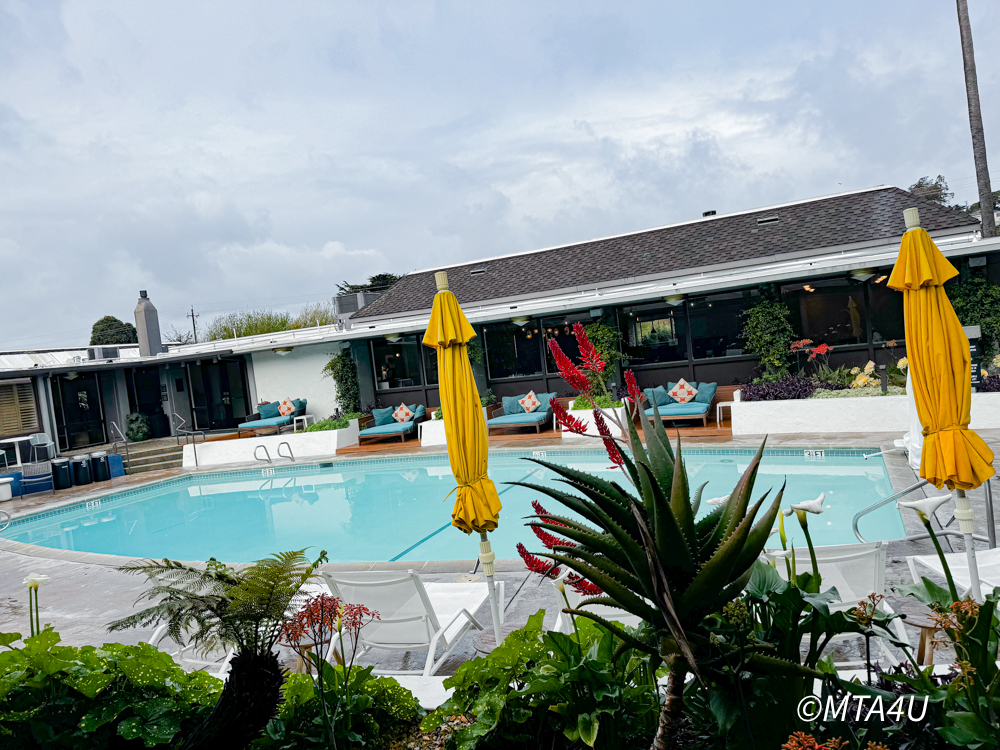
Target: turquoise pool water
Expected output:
[392,509]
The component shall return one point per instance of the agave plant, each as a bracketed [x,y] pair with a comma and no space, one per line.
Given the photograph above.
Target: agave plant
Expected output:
[221,607]
[644,547]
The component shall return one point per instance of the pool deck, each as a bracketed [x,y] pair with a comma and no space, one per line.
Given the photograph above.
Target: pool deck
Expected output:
[86,591]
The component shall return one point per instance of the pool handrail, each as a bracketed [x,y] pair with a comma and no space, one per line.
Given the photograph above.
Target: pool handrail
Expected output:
[290,456]
[879,504]
[267,454]
[123,441]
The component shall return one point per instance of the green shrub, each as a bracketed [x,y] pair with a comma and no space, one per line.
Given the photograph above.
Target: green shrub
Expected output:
[377,706]
[345,377]
[977,303]
[489,398]
[117,696]
[334,424]
[439,413]
[606,340]
[768,334]
[584,401]
[137,427]
[247,323]
[547,689]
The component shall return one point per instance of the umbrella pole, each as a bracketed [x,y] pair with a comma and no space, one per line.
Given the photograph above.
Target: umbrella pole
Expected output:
[486,557]
[963,512]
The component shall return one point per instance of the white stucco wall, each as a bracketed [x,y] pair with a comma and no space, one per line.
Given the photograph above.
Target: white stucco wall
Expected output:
[871,414]
[304,445]
[298,374]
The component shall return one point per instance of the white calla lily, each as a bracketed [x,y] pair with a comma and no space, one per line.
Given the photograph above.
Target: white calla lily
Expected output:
[777,554]
[925,506]
[718,500]
[34,580]
[810,506]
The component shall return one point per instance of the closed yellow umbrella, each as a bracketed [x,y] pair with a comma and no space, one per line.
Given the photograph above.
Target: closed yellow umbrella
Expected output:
[940,372]
[477,506]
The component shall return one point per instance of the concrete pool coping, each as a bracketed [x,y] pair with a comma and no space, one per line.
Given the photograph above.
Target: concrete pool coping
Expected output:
[900,476]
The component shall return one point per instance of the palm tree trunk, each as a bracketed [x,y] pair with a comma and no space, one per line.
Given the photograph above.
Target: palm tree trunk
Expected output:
[672,708]
[976,121]
[247,703]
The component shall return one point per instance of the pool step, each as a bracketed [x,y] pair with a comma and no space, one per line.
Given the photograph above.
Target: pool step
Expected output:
[153,459]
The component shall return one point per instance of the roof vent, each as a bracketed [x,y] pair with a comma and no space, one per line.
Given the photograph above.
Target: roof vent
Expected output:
[767,220]
[477,271]
[707,213]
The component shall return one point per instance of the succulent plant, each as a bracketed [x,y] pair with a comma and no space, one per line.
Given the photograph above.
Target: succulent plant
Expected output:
[643,546]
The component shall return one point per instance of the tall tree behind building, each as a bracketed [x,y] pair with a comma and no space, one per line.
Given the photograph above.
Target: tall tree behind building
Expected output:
[109,331]
[976,120]
[380,282]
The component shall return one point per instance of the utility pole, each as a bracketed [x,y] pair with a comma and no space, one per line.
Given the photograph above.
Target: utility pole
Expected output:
[194,325]
[989,228]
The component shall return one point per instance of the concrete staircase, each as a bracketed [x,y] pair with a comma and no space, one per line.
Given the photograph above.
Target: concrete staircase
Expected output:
[152,459]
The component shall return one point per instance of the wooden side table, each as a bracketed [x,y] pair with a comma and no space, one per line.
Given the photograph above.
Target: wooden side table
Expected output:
[925,647]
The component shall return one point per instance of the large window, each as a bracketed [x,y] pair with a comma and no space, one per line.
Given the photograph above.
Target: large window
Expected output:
[18,415]
[654,334]
[397,363]
[430,364]
[828,311]
[512,350]
[716,323]
[885,305]
[561,330]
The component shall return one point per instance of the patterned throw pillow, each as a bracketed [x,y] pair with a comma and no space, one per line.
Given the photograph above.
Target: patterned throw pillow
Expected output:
[683,392]
[286,407]
[403,413]
[530,402]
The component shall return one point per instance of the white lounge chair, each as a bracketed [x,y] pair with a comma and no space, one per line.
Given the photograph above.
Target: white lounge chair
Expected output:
[413,616]
[564,623]
[987,560]
[182,653]
[855,570]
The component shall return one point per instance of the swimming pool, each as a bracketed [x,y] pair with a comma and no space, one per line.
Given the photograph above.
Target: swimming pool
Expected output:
[391,508]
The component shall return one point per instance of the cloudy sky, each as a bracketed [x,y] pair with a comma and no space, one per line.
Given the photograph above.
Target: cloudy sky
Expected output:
[246,154]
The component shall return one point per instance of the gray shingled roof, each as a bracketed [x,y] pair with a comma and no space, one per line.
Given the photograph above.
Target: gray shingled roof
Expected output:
[860,217]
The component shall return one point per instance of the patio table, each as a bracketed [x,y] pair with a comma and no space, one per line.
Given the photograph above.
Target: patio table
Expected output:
[17,453]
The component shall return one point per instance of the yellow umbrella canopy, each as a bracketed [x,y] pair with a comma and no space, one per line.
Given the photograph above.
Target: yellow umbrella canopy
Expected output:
[477,507]
[940,366]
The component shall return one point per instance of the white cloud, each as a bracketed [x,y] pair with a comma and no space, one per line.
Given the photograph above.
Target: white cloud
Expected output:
[200,151]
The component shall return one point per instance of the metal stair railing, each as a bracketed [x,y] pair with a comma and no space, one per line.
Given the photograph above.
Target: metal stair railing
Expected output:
[123,441]
[881,503]
[290,456]
[190,437]
[267,455]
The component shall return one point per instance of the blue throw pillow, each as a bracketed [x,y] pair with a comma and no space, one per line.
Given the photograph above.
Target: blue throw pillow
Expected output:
[706,392]
[383,416]
[299,403]
[419,411]
[269,411]
[511,405]
[544,399]
[657,395]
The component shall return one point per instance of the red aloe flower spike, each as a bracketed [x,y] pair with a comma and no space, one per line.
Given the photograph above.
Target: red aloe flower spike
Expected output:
[609,444]
[550,540]
[583,586]
[567,370]
[567,420]
[588,353]
[542,512]
[633,388]
[535,564]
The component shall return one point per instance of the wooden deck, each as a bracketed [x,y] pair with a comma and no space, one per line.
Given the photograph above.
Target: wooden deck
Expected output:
[712,434]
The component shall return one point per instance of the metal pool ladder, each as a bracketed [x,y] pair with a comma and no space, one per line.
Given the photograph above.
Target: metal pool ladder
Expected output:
[880,504]
[267,454]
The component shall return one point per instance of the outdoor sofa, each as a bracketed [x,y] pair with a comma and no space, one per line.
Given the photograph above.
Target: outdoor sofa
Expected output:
[509,414]
[380,424]
[669,409]
[267,415]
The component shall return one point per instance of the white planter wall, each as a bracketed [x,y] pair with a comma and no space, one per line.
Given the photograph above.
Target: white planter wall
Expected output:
[862,414]
[298,374]
[587,416]
[304,445]
[432,433]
